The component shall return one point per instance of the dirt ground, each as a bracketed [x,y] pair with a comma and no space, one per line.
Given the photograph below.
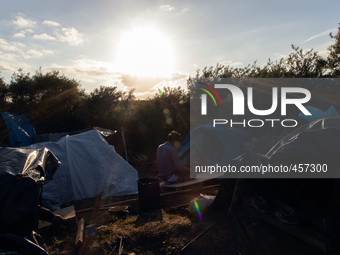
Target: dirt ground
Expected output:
[174,230]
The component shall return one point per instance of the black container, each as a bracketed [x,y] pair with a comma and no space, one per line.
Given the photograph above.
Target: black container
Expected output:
[149,194]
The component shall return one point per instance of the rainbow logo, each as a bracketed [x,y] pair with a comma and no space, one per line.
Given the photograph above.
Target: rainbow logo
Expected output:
[209,93]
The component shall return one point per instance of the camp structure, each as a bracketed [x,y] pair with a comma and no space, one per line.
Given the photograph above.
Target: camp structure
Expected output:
[23,172]
[89,166]
[315,196]
[16,130]
[212,145]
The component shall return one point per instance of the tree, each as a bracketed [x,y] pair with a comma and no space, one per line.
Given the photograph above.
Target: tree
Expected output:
[3,94]
[155,117]
[298,64]
[21,90]
[334,55]
[108,107]
[48,98]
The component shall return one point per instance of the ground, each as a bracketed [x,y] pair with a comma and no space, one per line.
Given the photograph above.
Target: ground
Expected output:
[174,230]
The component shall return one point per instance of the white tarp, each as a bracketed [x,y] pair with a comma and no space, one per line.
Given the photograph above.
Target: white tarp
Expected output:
[89,166]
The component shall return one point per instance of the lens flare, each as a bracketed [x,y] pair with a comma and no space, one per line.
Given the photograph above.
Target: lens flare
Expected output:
[198,210]
[177,144]
[169,120]
[166,112]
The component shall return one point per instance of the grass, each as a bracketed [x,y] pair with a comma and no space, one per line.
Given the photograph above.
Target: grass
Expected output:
[152,233]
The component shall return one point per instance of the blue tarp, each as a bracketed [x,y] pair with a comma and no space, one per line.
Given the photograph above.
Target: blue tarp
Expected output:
[204,141]
[317,114]
[22,131]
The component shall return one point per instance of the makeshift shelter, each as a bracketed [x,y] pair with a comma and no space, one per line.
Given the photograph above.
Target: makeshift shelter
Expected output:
[202,143]
[318,114]
[19,130]
[22,174]
[317,142]
[89,166]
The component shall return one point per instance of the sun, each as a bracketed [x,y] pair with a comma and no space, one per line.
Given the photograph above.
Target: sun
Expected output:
[145,52]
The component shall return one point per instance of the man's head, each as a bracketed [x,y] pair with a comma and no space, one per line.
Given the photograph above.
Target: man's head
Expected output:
[174,138]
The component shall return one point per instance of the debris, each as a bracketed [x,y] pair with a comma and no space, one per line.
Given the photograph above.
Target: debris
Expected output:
[120,246]
[68,213]
[80,233]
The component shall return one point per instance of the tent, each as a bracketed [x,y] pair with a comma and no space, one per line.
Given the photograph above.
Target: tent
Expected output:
[22,174]
[317,142]
[21,131]
[89,166]
[214,144]
[318,114]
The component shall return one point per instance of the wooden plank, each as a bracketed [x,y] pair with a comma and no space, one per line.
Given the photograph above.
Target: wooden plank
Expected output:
[80,233]
[198,180]
[107,206]
[68,213]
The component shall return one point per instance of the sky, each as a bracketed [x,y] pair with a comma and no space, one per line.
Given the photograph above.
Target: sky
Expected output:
[146,45]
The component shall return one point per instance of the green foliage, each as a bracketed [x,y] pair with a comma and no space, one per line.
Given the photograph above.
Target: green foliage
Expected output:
[334,55]
[155,117]
[298,64]
[3,94]
[49,99]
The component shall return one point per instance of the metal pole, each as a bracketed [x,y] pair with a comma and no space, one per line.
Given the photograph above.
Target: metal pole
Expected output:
[126,157]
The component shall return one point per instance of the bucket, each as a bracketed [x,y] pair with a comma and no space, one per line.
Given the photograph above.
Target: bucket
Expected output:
[149,194]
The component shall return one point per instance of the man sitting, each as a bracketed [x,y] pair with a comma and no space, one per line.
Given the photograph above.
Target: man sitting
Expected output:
[169,167]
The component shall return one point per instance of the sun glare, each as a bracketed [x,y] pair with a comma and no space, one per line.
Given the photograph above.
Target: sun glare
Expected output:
[145,52]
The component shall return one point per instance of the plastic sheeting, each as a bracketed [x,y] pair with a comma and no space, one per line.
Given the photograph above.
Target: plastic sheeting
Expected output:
[22,131]
[318,114]
[318,139]
[216,144]
[22,173]
[89,166]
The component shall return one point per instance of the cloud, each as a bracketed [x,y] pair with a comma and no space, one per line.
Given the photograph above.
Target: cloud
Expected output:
[44,37]
[33,54]
[13,52]
[144,95]
[182,11]
[93,72]
[5,67]
[23,33]
[230,63]
[51,23]
[47,52]
[20,34]
[137,82]
[23,23]
[36,53]
[4,45]
[166,8]
[63,34]
[10,62]
[280,55]
[70,35]
[327,32]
